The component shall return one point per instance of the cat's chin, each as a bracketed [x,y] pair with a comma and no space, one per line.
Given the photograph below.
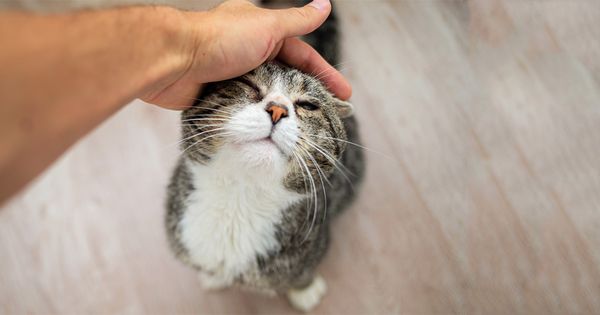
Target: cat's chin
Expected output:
[260,153]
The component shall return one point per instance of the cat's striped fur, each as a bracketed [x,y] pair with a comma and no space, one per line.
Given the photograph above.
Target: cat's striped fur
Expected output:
[252,212]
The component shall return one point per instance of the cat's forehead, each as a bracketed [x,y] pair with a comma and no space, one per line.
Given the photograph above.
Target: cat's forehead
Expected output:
[274,75]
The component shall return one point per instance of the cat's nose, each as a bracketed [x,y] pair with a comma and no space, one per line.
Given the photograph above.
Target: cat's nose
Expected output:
[277,111]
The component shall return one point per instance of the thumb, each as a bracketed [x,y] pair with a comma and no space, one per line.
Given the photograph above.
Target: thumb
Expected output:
[300,21]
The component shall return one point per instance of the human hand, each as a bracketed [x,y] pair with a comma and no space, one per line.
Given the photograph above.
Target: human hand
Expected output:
[236,37]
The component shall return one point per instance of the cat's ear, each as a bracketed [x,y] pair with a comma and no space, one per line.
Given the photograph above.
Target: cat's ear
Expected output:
[344,109]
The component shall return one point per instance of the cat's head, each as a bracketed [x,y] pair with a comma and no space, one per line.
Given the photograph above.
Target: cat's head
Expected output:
[274,117]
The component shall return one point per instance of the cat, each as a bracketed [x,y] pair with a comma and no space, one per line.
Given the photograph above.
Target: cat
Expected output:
[269,158]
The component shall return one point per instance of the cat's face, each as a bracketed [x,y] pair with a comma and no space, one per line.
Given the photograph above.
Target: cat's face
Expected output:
[271,116]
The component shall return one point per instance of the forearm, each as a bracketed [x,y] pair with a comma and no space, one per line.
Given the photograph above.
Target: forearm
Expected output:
[64,74]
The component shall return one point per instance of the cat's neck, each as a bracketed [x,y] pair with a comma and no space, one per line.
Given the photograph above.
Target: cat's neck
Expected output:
[232,185]
[233,213]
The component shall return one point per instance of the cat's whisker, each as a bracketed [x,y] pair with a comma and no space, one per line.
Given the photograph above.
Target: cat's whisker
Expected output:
[325,75]
[321,177]
[327,155]
[216,110]
[317,75]
[328,72]
[341,64]
[310,156]
[205,138]
[297,159]
[197,141]
[210,102]
[208,118]
[200,125]
[204,119]
[333,161]
[221,111]
[316,208]
[314,194]
[305,169]
[335,67]
[354,144]
[194,135]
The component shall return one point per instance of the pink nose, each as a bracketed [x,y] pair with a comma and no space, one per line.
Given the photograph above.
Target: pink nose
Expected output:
[277,111]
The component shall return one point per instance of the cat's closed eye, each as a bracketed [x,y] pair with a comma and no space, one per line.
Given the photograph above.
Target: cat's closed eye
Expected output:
[256,90]
[307,105]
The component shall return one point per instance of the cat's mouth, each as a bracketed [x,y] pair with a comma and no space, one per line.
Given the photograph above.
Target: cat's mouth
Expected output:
[268,141]
[252,131]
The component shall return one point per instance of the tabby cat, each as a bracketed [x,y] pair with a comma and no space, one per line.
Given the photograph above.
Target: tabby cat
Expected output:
[269,159]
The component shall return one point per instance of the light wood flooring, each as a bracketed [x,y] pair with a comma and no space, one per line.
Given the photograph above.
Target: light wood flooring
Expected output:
[482,193]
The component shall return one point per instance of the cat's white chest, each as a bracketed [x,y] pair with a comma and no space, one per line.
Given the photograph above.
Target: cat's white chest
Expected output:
[232,217]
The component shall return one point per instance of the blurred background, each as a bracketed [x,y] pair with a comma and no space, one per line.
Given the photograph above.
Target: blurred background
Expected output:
[482,192]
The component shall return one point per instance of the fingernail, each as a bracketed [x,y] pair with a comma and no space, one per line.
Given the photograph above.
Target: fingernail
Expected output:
[320,4]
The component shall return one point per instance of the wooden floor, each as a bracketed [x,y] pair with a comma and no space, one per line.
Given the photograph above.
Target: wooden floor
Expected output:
[483,196]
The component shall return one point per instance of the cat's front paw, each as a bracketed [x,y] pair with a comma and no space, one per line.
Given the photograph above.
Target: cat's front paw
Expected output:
[308,298]
[212,283]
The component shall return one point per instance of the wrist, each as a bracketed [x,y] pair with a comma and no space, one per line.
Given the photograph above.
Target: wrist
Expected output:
[177,41]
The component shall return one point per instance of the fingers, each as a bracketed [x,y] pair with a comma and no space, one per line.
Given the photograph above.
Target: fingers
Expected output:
[296,53]
[299,54]
[300,21]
